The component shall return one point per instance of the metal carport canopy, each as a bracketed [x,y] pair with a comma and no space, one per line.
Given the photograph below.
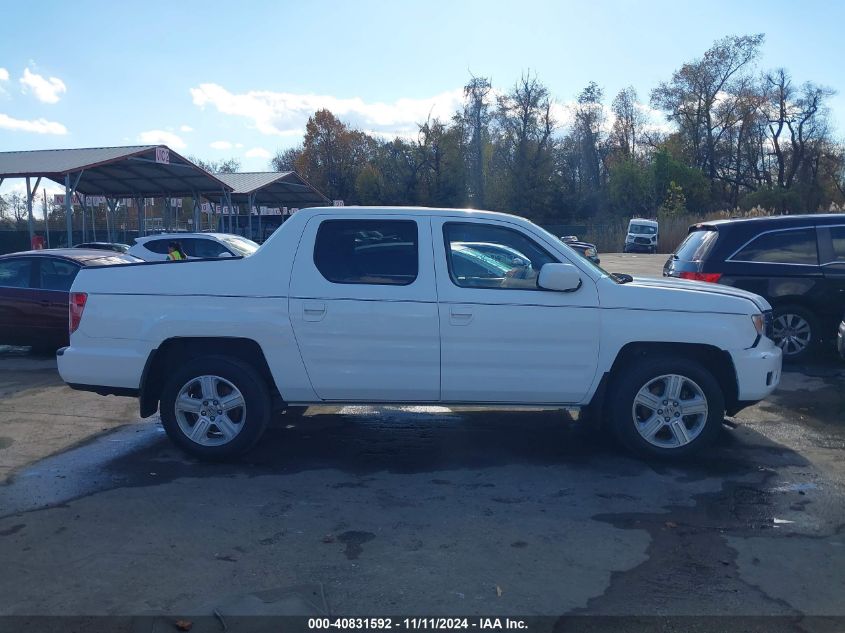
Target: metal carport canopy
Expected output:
[273,188]
[114,172]
[135,171]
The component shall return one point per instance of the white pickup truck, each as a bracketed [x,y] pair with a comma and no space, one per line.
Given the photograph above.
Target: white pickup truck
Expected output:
[411,306]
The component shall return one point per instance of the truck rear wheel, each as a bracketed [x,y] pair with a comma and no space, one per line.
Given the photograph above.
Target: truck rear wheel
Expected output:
[665,406]
[215,407]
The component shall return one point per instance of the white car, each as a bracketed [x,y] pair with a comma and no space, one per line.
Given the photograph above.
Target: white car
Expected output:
[390,305]
[153,248]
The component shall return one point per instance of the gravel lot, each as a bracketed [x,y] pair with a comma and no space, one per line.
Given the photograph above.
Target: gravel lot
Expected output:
[421,510]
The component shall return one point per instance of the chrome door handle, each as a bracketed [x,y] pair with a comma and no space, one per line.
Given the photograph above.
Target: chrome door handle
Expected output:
[313,311]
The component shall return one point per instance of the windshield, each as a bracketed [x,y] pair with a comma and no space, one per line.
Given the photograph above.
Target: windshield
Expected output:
[587,262]
[240,245]
[642,229]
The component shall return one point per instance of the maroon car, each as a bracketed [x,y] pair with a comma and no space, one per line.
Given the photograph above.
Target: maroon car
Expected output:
[34,287]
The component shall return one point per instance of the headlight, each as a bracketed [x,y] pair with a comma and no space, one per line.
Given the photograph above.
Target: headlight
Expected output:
[759,323]
[589,252]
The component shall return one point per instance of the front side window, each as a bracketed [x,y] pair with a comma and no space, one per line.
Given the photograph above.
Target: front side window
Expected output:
[15,273]
[202,247]
[485,256]
[57,274]
[383,252]
[781,247]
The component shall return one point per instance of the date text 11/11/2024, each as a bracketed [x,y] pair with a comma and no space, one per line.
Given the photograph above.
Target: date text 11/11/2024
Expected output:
[417,623]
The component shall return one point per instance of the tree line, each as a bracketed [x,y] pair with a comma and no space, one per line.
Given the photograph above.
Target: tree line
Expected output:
[731,136]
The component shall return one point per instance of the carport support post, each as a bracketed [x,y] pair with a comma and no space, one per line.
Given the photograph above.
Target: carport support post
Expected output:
[141,203]
[111,206]
[68,211]
[29,212]
[82,201]
[197,227]
[249,200]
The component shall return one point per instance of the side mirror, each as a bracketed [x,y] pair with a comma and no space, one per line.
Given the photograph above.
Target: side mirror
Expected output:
[225,254]
[559,277]
[518,262]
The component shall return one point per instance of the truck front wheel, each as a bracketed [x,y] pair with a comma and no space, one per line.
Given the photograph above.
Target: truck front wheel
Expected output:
[665,406]
[215,407]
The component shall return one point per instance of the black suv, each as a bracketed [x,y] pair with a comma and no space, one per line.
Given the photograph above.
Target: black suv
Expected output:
[797,262]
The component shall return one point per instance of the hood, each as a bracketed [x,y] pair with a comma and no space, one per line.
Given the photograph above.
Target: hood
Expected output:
[681,294]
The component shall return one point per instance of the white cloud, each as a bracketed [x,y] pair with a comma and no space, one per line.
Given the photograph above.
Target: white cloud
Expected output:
[47,90]
[186,128]
[221,145]
[162,137]
[257,152]
[39,126]
[285,114]
[4,74]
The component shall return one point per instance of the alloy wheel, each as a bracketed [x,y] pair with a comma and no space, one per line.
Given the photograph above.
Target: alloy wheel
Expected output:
[670,411]
[210,410]
[792,333]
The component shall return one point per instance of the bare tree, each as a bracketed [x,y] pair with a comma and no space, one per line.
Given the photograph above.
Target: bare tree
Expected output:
[476,119]
[702,97]
[286,160]
[628,123]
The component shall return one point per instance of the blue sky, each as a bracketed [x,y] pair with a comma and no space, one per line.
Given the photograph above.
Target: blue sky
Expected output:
[239,79]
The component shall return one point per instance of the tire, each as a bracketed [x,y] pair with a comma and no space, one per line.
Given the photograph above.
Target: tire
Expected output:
[634,422]
[803,326]
[216,379]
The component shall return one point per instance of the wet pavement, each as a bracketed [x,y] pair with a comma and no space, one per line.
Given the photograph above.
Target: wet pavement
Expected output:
[429,510]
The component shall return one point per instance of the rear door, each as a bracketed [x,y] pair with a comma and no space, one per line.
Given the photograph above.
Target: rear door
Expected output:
[19,307]
[781,265]
[832,259]
[363,306]
[55,277]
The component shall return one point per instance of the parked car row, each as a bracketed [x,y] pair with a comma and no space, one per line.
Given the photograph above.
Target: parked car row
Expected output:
[35,285]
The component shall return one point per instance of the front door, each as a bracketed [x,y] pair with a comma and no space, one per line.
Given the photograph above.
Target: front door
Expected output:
[363,306]
[19,307]
[503,339]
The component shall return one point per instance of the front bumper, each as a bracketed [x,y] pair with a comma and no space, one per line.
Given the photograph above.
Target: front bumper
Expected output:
[633,247]
[758,370]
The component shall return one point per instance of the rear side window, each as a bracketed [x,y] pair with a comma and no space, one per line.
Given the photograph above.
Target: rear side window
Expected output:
[383,252]
[15,273]
[697,245]
[796,246]
[57,274]
[157,246]
[837,237]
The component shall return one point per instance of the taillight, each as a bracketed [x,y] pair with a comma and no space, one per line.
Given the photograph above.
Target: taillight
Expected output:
[711,277]
[76,306]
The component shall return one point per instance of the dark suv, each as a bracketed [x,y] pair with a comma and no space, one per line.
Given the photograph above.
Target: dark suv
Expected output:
[797,262]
